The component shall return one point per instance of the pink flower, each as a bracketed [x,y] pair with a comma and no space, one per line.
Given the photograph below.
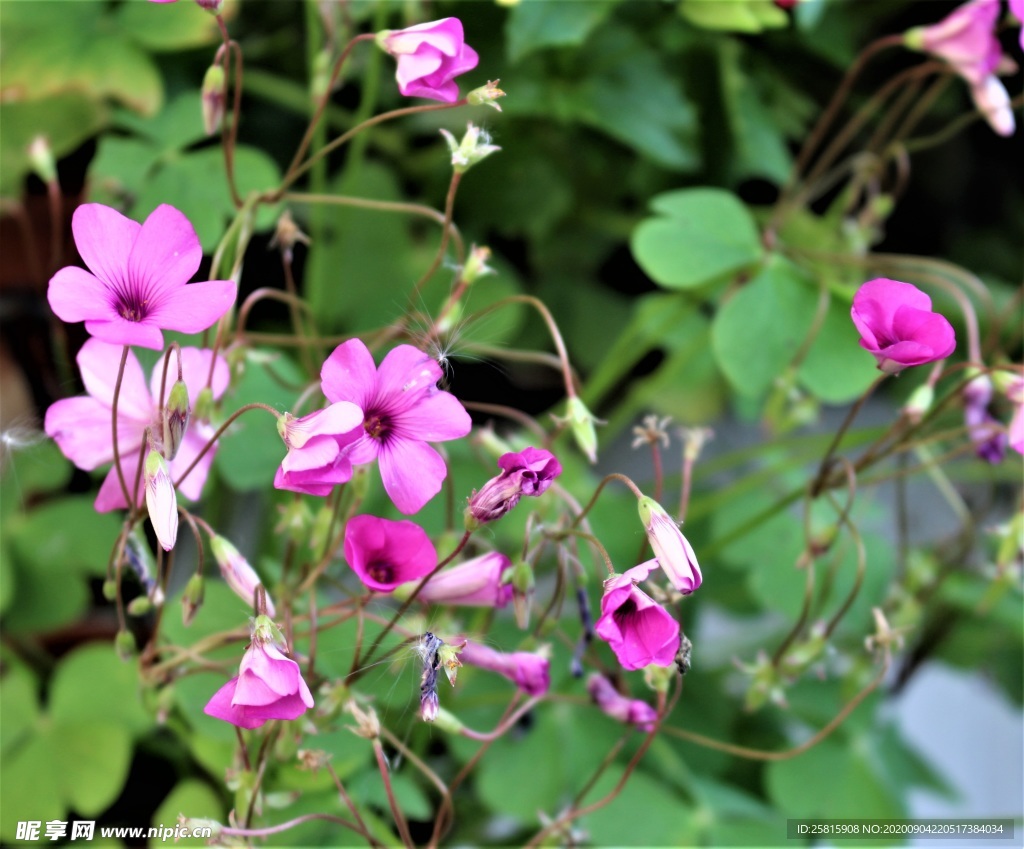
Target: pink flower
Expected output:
[429,56]
[672,550]
[1015,392]
[1017,7]
[82,428]
[403,410]
[315,461]
[993,101]
[528,472]
[985,432]
[137,285]
[529,671]
[475,583]
[237,572]
[385,554]
[898,327]
[639,630]
[965,39]
[268,685]
[617,706]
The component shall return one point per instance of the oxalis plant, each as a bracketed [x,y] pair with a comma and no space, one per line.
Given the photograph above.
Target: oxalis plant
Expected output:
[352,604]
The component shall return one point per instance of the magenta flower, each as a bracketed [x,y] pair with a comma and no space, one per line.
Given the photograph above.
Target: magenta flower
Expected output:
[81,426]
[403,410]
[993,101]
[1017,7]
[475,583]
[638,629]
[529,671]
[429,56]
[137,285]
[898,327]
[965,39]
[672,550]
[385,554]
[315,461]
[268,686]
[985,432]
[528,472]
[620,707]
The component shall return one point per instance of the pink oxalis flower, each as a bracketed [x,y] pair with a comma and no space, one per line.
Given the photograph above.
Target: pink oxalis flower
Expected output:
[620,707]
[529,671]
[135,287]
[384,553]
[429,56]
[639,630]
[82,428]
[316,461]
[268,686]
[526,472]
[403,410]
[984,430]
[898,327]
[479,582]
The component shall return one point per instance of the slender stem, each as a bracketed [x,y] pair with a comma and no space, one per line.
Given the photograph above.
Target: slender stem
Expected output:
[343,795]
[826,461]
[396,810]
[449,207]
[129,501]
[446,810]
[255,405]
[285,826]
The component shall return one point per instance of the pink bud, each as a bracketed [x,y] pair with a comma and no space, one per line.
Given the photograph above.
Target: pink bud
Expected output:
[161,501]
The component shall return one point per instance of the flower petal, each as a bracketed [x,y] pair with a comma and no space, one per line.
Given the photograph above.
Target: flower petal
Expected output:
[193,308]
[104,238]
[412,473]
[164,257]
[118,331]
[220,707]
[405,375]
[195,369]
[81,428]
[349,374]
[195,439]
[76,295]
[110,496]
[98,362]
[435,418]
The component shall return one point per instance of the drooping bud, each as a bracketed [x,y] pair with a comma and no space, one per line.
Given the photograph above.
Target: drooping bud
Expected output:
[523,590]
[919,403]
[161,500]
[139,606]
[203,410]
[581,422]
[214,98]
[124,645]
[474,147]
[671,549]
[40,157]
[659,678]
[192,598]
[237,572]
[486,95]
[110,589]
[287,234]
[177,412]
[614,704]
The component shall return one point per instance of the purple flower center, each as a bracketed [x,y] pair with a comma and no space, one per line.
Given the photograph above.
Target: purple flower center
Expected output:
[130,303]
[626,611]
[381,571]
[377,426]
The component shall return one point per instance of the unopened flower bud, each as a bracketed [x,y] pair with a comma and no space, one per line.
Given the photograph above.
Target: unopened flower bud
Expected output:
[161,500]
[124,645]
[319,535]
[659,678]
[287,234]
[474,147]
[523,589]
[203,410]
[139,606]
[486,95]
[429,706]
[214,98]
[476,264]
[110,589]
[211,6]
[526,472]
[321,75]
[614,704]
[237,572]
[40,157]
[177,412]
[671,549]
[192,598]
[581,422]
[919,403]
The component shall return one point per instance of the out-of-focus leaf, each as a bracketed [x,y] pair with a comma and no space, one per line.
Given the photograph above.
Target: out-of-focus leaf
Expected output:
[19,707]
[31,469]
[30,781]
[93,760]
[536,24]
[65,119]
[175,127]
[760,329]
[695,236]
[735,15]
[75,698]
[164,28]
[667,819]
[67,534]
[193,799]
[119,170]
[836,368]
[62,45]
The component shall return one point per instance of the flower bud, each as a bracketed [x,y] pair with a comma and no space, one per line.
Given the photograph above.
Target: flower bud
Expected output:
[614,704]
[296,520]
[319,535]
[237,572]
[214,98]
[177,412]
[527,472]
[476,264]
[523,589]
[211,6]
[192,598]
[203,410]
[671,549]
[124,645]
[110,589]
[474,147]
[161,500]
[659,678]
[139,606]
[486,95]
[919,403]
[40,157]
[581,421]
[287,234]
